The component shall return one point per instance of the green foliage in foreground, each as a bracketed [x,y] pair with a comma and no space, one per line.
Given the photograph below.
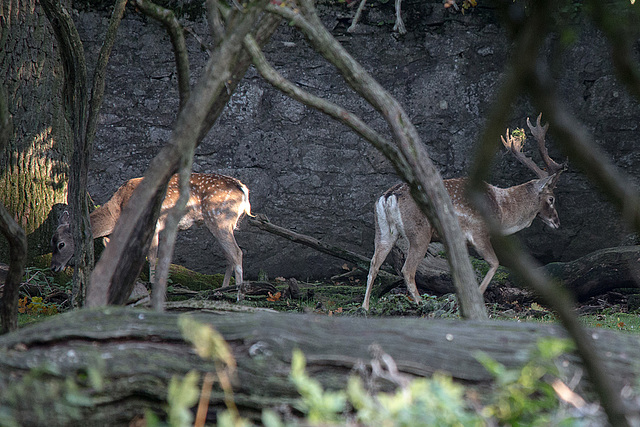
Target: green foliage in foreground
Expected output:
[437,401]
[522,397]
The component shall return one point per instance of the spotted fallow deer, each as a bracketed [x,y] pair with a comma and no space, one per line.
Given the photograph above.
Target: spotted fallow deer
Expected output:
[218,201]
[397,215]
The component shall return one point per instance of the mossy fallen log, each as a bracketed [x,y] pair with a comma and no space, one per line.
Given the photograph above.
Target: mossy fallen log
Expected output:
[599,272]
[594,274]
[105,367]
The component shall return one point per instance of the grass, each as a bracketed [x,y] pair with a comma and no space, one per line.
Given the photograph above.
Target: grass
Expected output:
[617,321]
[344,299]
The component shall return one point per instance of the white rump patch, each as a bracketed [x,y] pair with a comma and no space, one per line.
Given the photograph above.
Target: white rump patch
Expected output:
[389,219]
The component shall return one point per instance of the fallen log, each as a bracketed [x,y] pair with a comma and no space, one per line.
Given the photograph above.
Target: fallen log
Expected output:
[46,369]
[599,272]
[594,274]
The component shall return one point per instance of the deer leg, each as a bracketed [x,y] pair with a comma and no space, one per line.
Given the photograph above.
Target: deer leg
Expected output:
[415,254]
[152,256]
[382,249]
[485,250]
[233,254]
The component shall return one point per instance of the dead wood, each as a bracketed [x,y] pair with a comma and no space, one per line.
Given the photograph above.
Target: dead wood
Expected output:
[594,274]
[358,260]
[136,352]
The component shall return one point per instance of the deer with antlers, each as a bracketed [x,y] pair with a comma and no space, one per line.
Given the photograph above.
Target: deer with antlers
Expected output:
[218,201]
[397,215]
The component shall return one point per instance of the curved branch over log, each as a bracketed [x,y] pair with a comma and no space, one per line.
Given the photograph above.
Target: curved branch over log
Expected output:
[136,353]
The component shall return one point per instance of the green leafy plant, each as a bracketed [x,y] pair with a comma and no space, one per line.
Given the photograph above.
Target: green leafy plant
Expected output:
[524,396]
[436,401]
[319,405]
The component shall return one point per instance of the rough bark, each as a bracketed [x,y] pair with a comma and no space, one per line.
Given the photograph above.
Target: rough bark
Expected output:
[33,165]
[15,236]
[76,102]
[17,259]
[137,352]
[82,114]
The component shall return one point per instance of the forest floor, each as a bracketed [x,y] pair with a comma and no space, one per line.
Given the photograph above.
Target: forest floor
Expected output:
[43,294]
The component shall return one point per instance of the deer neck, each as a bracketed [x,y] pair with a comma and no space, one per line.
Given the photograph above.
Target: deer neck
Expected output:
[102,221]
[516,206]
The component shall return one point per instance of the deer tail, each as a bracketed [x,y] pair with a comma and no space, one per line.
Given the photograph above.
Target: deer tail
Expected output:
[246,205]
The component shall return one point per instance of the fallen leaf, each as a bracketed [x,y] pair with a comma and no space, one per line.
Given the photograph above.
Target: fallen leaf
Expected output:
[537,307]
[274,297]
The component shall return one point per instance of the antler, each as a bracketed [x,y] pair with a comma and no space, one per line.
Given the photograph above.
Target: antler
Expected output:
[539,133]
[513,144]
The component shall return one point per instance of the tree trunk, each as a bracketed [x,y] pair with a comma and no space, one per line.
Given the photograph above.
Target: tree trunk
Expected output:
[33,167]
[136,353]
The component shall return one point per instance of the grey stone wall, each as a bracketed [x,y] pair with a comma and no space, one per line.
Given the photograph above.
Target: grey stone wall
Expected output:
[315,176]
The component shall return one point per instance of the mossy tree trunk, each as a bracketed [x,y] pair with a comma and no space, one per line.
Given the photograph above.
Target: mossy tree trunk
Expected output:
[33,166]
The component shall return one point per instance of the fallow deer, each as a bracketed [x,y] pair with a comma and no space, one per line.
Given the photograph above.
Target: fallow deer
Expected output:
[397,215]
[218,201]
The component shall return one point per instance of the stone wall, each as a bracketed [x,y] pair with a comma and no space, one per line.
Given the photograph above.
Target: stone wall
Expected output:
[315,176]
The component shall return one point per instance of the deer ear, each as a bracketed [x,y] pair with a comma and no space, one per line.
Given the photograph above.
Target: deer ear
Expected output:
[542,183]
[554,178]
[64,218]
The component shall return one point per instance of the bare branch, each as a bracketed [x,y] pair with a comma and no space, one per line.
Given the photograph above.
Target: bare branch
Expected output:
[215,22]
[399,25]
[175,31]
[526,71]
[76,107]
[99,74]
[356,18]
[122,260]
[584,152]
[327,107]
[425,181]
[610,20]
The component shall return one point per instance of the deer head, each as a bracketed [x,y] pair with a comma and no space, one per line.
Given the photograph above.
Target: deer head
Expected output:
[62,244]
[547,179]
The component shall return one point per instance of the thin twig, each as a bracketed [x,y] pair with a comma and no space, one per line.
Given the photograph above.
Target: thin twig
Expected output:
[356,18]
[175,32]
[327,107]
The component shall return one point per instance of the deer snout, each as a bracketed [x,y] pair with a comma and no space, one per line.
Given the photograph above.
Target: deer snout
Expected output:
[552,221]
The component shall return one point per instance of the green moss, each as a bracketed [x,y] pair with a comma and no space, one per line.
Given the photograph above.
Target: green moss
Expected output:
[193,280]
[482,268]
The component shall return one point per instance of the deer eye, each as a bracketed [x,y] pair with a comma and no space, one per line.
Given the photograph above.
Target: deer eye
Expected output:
[551,200]
[60,245]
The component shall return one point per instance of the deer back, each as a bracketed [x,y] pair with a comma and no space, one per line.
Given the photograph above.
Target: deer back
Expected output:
[217,200]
